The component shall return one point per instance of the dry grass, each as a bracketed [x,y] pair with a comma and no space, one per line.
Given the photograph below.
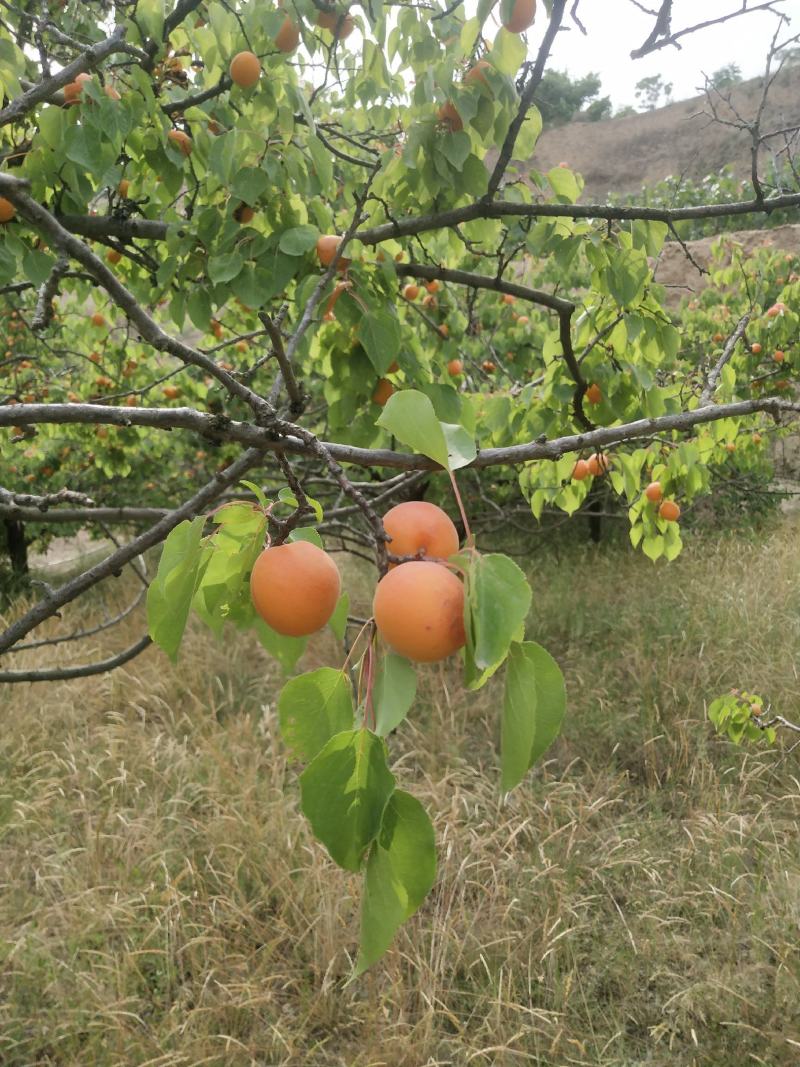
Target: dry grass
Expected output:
[636,902]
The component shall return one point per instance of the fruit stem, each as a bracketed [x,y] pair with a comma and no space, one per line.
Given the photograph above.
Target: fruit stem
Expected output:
[459,501]
[356,639]
[369,710]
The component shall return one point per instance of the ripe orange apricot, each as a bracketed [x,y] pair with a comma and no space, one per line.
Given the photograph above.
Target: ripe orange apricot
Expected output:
[775,310]
[477,74]
[756,438]
[489,366]
[383,390]
[717,338]
[171,392]
[244,214]
[418,526]
[598,463]
[432,286]
[522,15]
[455,367]
[7,210]
[593,394]
[449,117]
[755,348]
[295,588]
[111,92]
[113,256]
[779,356]
[411,292]
[730,446]
[327,247]
[72,92]
[98,320]
[182,141]
[340,24]
[669,511]
[654,492]
[444,330]
[507,298]
[419,611]
[245,70]
[287,37]
[580,470]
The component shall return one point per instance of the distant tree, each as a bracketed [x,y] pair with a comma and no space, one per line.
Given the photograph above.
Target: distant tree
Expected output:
[624,111]
[730,74]
[649,92]
[560,99]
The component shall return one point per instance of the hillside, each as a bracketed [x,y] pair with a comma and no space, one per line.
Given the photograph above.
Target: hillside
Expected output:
[622,154]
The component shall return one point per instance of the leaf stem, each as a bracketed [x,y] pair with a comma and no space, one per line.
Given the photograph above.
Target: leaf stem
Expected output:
[459,501]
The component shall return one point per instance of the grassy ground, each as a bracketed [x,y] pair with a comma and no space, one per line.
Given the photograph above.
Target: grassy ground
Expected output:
[636,902]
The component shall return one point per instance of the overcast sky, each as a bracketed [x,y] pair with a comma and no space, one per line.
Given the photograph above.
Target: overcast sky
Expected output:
[616,27]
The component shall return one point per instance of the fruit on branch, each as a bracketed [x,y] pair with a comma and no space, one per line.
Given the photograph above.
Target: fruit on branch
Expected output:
[98,320]
[593,393]
[654,492]
[113,256]
[775,310]
[393,367]
[507,298]
[598,463]
[244,214]
[756,349]
[730,446]
[449,117]
[455,368]
[245,70]
[7,210]
[444,330]
[717,338]
[430,301]
[756,438]
[295,588]
[171,392]
[523,320]
[288,37]
[432,286]
[419,526]
[669,511]
[216,328]
[580,470]
[182,141]
[383,390]
[419,611]
[340,24]
[476,75]
[327,247]
[411,292]
[123,188]
[111,92]
[779,356]
[489,366]
[522,16]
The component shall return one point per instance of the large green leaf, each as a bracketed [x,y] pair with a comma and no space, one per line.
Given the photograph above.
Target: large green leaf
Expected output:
[400,872]
[533,710]
[169,597]
[498,600]
[312,708]
[379,333]
[344,791]
[393,692]
[410,417]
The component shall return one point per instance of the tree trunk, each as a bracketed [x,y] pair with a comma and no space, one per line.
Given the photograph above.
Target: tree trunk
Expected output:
[593,506]
[16,546]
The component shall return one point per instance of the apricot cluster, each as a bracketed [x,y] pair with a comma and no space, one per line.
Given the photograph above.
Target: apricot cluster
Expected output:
[418,605]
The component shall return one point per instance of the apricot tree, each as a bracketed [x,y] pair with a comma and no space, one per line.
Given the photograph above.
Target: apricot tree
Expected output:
[250,252]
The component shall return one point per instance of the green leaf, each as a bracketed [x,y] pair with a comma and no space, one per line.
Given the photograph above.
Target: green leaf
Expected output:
[322,160]
[249,184]
[566,185]
[286,650]
[379,333]
[224,268]
[169,597]
[498,600]
[401,870]
[508,52]
[393,692]
[338,621]
[312,708]
[533,710]
[343,793]
[298,240]
[409,415]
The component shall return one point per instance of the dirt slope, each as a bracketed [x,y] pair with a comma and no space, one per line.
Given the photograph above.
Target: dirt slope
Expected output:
[624,154]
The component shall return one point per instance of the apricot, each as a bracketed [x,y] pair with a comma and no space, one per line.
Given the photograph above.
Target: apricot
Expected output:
[182,141]
[295,588]
[72,92]
[419,611]
[171,392]
[111,92]
[507,298]
[432,286]
[123,188]
[113,256]
[7,210]
[98,320]
[489,366]
[244,214]
[522,15]
[756,438]
[598,463]
[455,367]
[776,309]
[444,330]
[779,356]
[327,247]
[755,349]
[383,390]
[476,74]
[654,492]
[449,117]
[245,70]
[340,24]
[669,511]
[418,526]
[580,470]
[593,393]
[393,367]
[288,37]
[411,292]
